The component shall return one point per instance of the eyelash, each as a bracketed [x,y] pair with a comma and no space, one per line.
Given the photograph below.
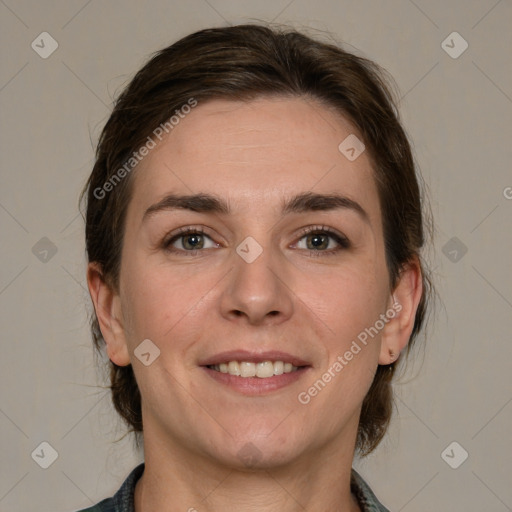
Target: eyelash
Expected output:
[342,241]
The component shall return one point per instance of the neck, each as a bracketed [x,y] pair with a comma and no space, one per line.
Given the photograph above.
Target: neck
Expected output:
[175,479]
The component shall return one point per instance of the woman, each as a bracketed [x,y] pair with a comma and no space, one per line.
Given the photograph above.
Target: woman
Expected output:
[253,228]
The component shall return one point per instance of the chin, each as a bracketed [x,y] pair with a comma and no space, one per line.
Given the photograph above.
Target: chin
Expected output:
[257,451]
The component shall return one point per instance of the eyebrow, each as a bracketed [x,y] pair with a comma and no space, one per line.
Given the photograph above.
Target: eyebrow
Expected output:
[300,203]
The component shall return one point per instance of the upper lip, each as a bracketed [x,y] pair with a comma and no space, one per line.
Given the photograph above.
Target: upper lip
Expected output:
[253,357]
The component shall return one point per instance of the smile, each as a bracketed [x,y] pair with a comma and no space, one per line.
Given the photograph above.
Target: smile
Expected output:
[262,370]
[254,373]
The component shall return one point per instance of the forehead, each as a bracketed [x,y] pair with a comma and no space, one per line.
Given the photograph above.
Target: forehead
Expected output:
[262,149]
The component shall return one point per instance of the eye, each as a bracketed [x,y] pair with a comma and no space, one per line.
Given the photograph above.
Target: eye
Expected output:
[188,240]
[319,239]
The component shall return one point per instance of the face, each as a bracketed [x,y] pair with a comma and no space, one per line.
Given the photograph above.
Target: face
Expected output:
[260,268]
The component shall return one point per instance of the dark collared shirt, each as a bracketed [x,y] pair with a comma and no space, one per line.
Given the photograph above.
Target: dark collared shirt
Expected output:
[122,501]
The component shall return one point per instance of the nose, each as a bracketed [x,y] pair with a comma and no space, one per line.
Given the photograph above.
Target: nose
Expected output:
[256,291]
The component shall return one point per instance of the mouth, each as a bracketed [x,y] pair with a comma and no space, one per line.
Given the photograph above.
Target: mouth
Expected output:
[255,374]
[261,370]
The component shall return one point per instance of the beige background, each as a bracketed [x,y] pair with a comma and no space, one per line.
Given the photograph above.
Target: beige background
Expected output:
[457,111]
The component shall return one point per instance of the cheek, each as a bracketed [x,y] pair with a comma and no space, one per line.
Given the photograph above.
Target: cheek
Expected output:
[350,304]
[157,299]
[348,300]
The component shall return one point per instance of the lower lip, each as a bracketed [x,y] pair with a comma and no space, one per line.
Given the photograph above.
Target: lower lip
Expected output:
[254,385]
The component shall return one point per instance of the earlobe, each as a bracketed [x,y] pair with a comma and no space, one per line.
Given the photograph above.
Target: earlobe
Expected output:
[108,312]
[404,301]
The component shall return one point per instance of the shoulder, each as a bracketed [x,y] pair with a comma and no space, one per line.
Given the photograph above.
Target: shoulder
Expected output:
[122,501]
[365,496]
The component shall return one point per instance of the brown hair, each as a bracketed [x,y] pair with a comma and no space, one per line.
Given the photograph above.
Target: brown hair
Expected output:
[241,63]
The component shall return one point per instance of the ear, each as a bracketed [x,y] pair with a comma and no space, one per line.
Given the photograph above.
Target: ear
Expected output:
[404,302]
[107,305]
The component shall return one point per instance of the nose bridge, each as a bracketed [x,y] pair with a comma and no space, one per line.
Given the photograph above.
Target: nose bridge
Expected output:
[256,289]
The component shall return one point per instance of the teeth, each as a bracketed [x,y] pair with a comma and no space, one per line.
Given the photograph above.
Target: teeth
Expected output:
[247,369]
[265,369]
[278,368]
[233,368]
[262,370]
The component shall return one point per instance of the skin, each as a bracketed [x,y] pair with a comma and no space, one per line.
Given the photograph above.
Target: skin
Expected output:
[304,302]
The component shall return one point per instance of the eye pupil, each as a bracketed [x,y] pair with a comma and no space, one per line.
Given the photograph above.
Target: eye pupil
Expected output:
[196,241]
[318,240]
